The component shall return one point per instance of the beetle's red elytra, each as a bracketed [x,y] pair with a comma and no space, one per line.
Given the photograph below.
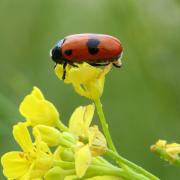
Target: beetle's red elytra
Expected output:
[95,49]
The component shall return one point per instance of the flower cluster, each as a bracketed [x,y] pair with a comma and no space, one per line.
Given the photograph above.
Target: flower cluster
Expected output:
[54,151]
[168,152]
[50,150]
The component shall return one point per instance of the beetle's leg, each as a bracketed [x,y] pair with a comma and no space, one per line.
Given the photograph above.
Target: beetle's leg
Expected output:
[64,71]
[72,64]
[117,63]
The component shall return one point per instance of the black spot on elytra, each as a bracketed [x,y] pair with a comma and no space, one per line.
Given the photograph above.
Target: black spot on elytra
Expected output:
[92,45]
[68,52]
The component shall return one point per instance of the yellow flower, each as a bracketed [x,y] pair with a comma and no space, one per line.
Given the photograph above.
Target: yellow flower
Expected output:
[168,152]
[172,149]
[161,143]
[87,80]
[37,110]
[91,141]
[31,163]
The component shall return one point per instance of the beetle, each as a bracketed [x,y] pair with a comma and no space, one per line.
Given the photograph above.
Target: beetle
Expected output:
[95,49]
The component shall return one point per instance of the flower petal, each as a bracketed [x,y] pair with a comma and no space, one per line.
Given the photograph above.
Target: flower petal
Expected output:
[82,160]
[173,148]
[95,87]
[22,137]
[80,120]
[83,73]
[40,164]
[97,141]
[27,175]
[15,165]
[36,92]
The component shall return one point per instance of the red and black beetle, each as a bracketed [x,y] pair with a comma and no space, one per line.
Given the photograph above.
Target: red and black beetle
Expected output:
[95,49]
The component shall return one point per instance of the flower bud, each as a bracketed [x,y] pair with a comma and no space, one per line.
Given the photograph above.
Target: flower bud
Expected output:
[48,134]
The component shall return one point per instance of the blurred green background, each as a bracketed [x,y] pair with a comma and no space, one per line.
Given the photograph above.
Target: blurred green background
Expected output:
[141,100]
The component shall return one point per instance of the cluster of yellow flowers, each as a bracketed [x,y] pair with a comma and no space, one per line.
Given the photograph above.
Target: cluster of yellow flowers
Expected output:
[168,152]
[54,151]
[75,146]
[51,150]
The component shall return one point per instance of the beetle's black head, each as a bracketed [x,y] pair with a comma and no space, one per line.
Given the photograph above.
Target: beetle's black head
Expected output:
[56,53]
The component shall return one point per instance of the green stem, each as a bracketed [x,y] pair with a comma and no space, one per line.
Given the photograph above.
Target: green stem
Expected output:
[95,170]
[65,142]
[104,124]
[102,161]
[138,169]
[175,160]
[64,164]
[124,172]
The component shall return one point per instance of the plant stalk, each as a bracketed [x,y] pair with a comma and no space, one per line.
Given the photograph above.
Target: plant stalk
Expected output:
[104,124]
